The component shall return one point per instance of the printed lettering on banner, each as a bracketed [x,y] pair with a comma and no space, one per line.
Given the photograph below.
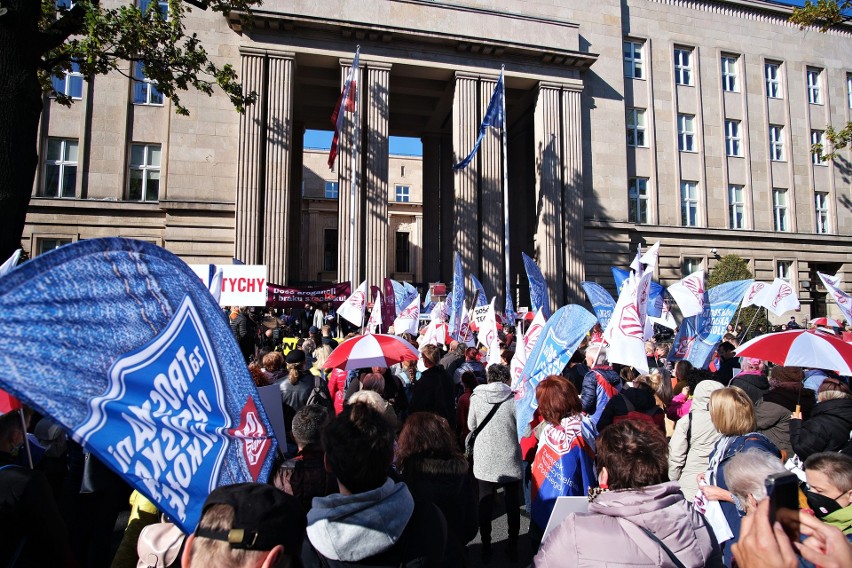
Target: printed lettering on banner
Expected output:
[162,419]
[242,284]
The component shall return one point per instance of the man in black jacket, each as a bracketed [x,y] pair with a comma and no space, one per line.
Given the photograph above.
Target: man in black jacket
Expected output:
[434,391]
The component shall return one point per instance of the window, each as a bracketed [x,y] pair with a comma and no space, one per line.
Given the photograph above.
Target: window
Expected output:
[736,207]
[47,245]
[814,86]
[784,269]
[637,196]
[144,172]
[403,254]
[144,91]
[689,203]
[636,127]
[161,7]
[776,143]
[403,195]
[69,83]
[686,132]
[817,137]
[64,4]
[332,189]
[683,66]
[772,73]
[60,170]
[821,206]
[779,205]
[634,65]
[329,250]
[729,74]
[402,171]
[691,265]
[849,90]
[733,143]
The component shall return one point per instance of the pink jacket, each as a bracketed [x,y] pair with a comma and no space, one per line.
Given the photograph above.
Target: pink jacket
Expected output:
[679,407]
[337,388]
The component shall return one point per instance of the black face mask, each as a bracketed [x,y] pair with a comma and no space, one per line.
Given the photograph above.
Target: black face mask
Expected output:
[822,505]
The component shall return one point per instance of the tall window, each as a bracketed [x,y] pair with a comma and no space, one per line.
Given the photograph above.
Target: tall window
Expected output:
[691,265]
[784,269]
[144,172]
[772,73]
[736,207]
[776,143]
[403,194]
[144,91]
[403,253]
[817,137]
[814,86]
[332,189]
[636,127]
[69,83]
[686,132]
[683,66]
[689,203]
[729,74]
[634,65]
[161,7]
[329,250]
[733,142]
[60,171]
[637,200]
[779,207]
[821,207]
[47,245]
[849,90]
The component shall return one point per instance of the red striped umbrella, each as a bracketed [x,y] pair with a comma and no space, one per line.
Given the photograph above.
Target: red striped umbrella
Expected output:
[375,350]
[824,322]
[801,348]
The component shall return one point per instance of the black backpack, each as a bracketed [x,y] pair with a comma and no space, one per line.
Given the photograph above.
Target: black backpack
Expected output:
[320,395]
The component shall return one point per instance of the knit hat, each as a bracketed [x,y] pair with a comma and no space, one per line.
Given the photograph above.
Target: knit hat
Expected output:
[296,356]
[787,374]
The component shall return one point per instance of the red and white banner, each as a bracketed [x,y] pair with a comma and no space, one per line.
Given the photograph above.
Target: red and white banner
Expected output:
[408,319]
[346,102]
[756,294]
[525,346]
[844,301]
[375,320]
[626,330]
[781,298]
[353,308]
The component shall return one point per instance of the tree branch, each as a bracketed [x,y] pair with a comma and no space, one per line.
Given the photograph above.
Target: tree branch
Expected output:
[54,35]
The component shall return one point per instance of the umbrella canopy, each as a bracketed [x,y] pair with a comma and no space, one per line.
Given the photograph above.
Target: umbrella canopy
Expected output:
[801,348]
[824,322]
[376,350]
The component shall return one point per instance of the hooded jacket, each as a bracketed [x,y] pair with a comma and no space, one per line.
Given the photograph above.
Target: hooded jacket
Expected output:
[753,383]
[496,453]
[599,385]
[609,534]
[827,430]
[773,414]
[693,440]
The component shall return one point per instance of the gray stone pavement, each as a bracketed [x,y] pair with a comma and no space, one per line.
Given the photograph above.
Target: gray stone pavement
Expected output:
[499,538]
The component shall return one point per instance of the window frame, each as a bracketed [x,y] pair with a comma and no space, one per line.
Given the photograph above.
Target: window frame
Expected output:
[71,80]
[772,84]
[687,199]
[730,73]
[402,251]
[691,264]
[637,127]
[147,169]
[780,211]
[334,186]
[849,90]
[637,200]
[776,143]
[813,78]
[784,270]
[821,211]
[330,249]
[145,86]
[818,137]
[402,193]
[630,59]
[63,163]
[60,241]
[736,206]
[686,137]
[683,68]
[733,139]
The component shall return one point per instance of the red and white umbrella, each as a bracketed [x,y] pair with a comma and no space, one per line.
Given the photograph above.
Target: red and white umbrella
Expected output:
[376,350]
[801,348]
[824,322]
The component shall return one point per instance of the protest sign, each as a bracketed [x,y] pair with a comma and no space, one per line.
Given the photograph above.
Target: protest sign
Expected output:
[286,297]
[242,284]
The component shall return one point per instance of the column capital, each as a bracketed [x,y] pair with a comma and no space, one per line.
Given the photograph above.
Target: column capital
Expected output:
[476,76]
[265,52]
[574,87]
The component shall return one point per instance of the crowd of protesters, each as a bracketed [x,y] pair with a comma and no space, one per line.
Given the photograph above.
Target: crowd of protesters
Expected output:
[404,466]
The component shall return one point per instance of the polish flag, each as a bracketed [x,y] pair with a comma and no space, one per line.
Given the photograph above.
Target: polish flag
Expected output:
[346,102]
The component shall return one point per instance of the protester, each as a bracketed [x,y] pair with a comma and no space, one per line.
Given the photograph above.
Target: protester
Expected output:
[434,391]
[681,371]
[728,362]
[373,399]
[576,369]
[681,403]
[372,520]
[829,494]
[637,517]
[496,455]
[472,364]
[827,430]
[636,403]
[429,460]
[454,357]
[273,367]
[246,525]
[752,379]
[295,389]
[600,384]
[773,412]
[746,475]
[469,383]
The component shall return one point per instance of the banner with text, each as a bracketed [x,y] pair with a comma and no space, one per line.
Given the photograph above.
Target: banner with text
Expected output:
[242,284]
[601,301]
[284,297]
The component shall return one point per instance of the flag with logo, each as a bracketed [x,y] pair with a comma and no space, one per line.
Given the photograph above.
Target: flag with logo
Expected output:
[408,319]
[538,286]
[699,335]
[525,347]
[493,118]
[843,300]
[375,321]
[602,302]
[352,310]
[755,294]
[345,103]
[465,332]
[456,297]
[438,313]
[558,340]
[481,300]
[781,298]
[655,306]
[689,294]
[152,381]
[626,330]
[509,313]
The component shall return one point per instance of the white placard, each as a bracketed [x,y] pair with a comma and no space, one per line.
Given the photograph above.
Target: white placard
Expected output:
[242,284]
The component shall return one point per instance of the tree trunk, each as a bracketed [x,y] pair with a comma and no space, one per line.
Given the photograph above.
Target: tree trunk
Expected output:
[20,109]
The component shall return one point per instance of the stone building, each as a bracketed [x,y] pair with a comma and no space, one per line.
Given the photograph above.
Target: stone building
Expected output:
[688,122]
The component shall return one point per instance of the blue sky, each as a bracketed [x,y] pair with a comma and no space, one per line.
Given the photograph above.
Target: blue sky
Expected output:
[398,145]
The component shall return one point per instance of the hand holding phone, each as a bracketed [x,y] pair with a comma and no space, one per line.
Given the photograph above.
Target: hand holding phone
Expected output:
[783,492]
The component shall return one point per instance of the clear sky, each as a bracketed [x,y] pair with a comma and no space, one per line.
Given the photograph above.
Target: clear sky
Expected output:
[321,139]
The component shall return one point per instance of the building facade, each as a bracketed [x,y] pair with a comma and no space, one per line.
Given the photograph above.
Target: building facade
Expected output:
[688,122]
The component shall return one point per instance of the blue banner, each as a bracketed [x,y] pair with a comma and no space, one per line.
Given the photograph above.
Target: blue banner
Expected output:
[655,296]
[538,286]
[511,315]
[558,340]
[601,301]
[481,299]
[493,118]
[700,334]
[142,369]
[455,299]
[403,293]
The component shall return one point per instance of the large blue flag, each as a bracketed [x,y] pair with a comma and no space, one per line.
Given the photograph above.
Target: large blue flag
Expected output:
[602,302]
[557,341]
[538,286]
[493,118]
[139,366]
[455,299]
[481,300]
[700,334]
[404,293]
[510,313]
[655,296]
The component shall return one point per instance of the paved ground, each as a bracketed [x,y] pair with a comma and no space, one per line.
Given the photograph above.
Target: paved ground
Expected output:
[499,537]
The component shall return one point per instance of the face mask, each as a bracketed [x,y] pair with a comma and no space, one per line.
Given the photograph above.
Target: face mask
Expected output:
[822,505]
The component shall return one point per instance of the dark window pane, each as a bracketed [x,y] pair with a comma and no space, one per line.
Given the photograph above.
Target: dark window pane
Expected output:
[51,180]
[135,190]
[69,181]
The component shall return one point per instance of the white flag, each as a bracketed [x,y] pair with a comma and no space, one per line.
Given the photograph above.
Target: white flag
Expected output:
[375,320]
[216,285]
[689,294]
[12,262]
[636,265]
[844,301]
[666,319]
[353,308]
[526,345]
[756,294]
[439,312]
[781,298]
[465,332]
[626,330]
[649,259]
[408,319]
[479,315]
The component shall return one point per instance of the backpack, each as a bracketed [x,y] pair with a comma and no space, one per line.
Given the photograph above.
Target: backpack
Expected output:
[633,414]
[320,395]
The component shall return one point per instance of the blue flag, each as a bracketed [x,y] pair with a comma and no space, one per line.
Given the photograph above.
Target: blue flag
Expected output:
[455,299]
[601,301]
[493,118]
[558,340]
[510,314]
[141,369]
[538,286]
[700,334]
[403,293]
[481,300]
[655,296]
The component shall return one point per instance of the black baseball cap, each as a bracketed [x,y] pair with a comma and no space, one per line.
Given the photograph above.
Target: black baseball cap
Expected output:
[264,517]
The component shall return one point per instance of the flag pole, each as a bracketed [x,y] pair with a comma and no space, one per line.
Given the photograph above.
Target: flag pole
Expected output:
[505,190]
[353,204]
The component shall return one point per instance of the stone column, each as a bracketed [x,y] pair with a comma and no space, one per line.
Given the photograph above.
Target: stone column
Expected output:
[279,150]
[375,162]
[350,236]
[492,242]
[467,116]
[447,197]
[431,209]
[417,256]
[572,211]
